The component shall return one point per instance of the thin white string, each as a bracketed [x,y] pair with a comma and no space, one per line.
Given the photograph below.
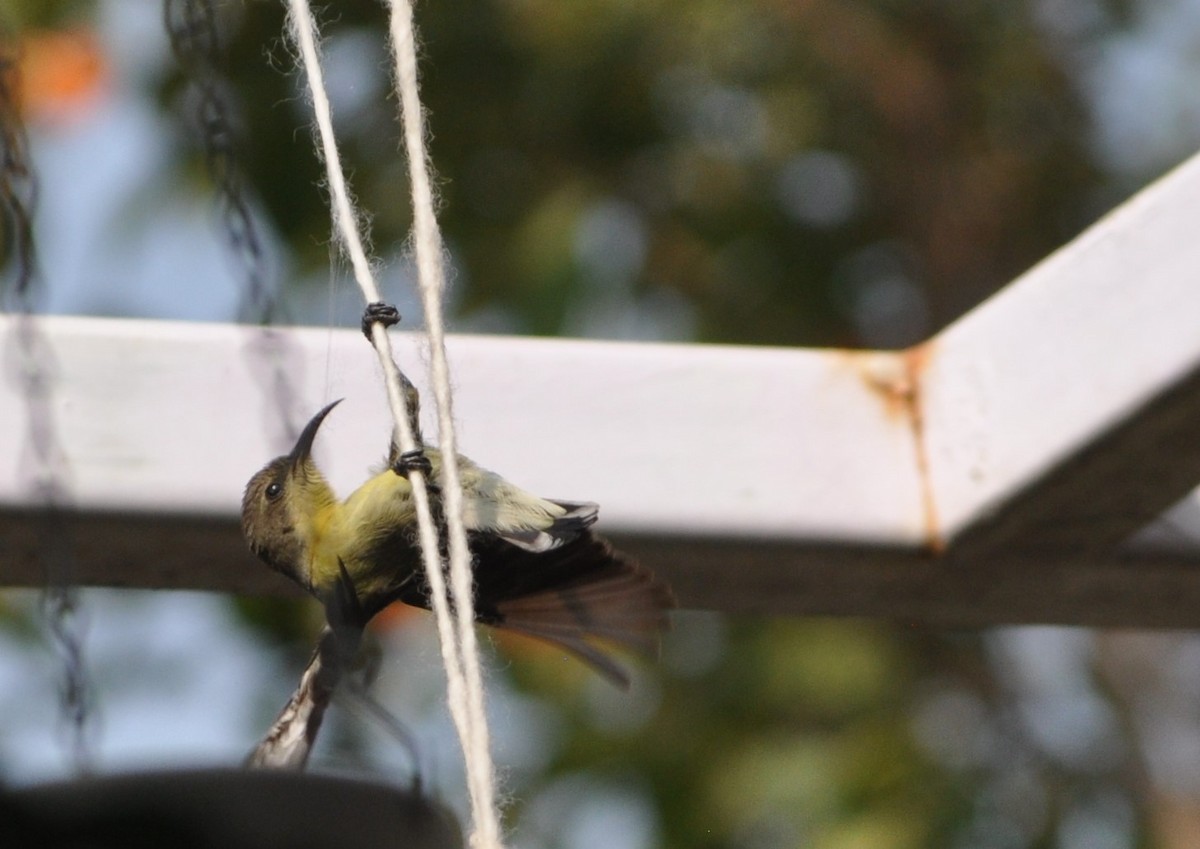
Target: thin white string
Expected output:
[460,656]
[432,278]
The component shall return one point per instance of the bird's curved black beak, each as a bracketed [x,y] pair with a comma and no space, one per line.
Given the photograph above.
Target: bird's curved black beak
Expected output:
[304,444]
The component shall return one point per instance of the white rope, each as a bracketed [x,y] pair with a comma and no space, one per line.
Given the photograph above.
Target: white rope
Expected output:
[431,277]
[459,649]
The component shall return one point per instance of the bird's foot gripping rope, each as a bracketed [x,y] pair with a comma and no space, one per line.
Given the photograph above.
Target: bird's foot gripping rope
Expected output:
[413,461]
[379,313]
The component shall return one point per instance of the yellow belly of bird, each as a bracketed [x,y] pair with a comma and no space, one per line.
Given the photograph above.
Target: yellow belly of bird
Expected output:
[346,533]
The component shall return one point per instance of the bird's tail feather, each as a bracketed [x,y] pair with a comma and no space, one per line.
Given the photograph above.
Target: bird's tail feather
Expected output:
[583,597]
[593,656]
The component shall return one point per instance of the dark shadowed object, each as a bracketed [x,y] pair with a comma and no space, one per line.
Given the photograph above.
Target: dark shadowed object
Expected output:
[225,808]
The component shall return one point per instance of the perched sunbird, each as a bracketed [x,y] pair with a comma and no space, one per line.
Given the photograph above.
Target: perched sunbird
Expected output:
[538,567]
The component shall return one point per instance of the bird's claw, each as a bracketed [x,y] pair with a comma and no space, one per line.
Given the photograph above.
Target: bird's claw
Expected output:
[412,461]
[379,313]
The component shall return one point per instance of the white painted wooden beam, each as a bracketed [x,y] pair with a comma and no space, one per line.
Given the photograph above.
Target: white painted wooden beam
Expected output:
[1064,412]
[991,474]
[166,418]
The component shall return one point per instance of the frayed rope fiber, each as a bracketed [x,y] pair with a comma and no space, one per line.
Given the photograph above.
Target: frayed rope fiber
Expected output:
[455,629]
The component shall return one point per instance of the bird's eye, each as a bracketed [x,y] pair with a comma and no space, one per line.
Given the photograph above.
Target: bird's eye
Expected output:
[274,490]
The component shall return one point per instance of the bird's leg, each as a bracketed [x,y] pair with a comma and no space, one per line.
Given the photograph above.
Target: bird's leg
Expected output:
[346,615]
[381,313]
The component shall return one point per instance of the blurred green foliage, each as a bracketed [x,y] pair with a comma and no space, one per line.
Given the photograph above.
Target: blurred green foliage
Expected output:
[822,172]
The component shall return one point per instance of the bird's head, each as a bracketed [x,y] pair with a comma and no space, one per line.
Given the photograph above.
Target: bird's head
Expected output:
[280,503]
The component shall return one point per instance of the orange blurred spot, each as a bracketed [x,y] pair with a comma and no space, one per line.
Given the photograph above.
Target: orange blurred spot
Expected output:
[62,73]
[392,616]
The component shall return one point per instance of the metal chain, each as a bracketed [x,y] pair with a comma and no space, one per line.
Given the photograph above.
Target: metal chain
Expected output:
[18,191]
[192,28]
[32,367]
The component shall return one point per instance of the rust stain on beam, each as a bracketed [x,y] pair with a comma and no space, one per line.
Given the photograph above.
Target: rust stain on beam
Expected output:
[916,360]
[897,380]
